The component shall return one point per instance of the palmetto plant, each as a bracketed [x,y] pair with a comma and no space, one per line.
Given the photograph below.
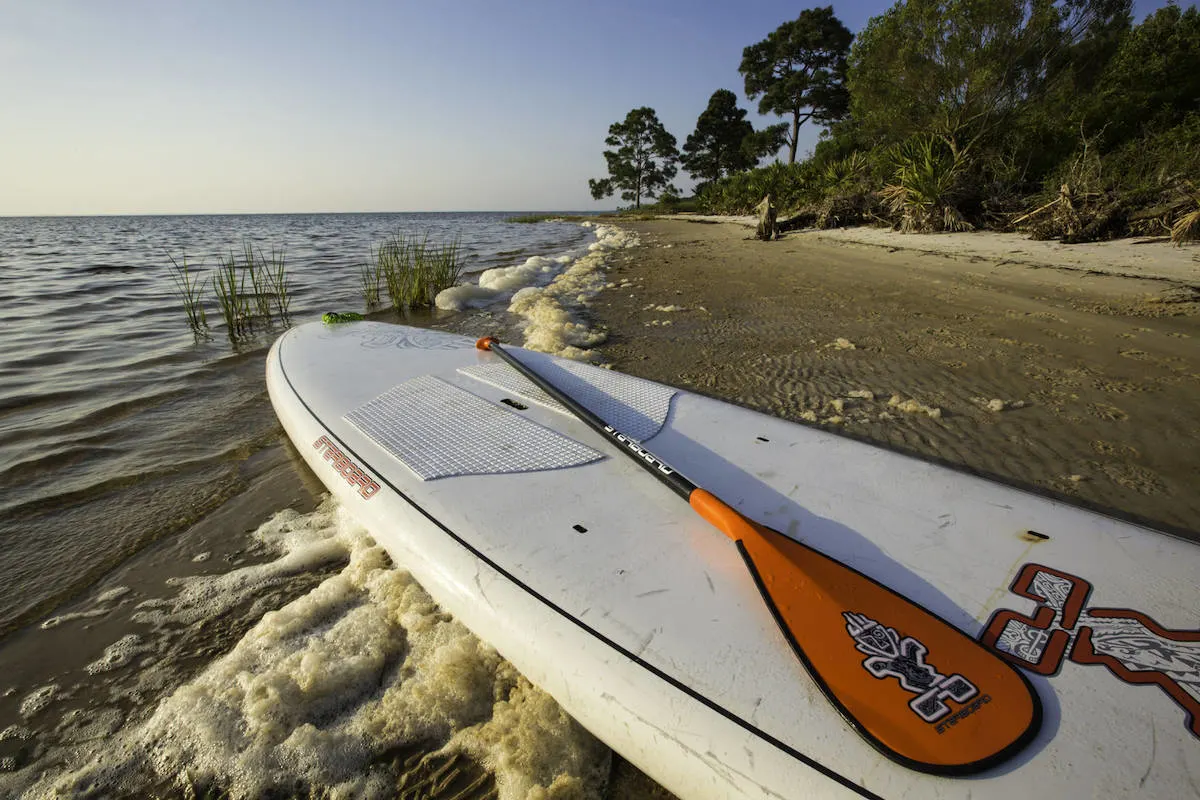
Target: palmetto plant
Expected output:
[925,185]
[1187,227]
[844,174]
[788,185]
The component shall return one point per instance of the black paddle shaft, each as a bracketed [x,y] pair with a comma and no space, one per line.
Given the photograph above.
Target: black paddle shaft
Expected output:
[631,447]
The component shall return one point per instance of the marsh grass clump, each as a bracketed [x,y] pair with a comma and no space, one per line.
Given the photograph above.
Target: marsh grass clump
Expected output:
[189,285]
[269,294]
[278,281]
[444,266]
[231,295]
[251,289]
[260,279]
[370,280]
[412,270]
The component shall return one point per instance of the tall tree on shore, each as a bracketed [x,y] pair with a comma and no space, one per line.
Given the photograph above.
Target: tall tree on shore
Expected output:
[643,163]
[724,141]
[800,70]
[1154,79]
[963,69]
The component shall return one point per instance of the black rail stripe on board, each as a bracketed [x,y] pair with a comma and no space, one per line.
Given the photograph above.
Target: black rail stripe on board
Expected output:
[808,761]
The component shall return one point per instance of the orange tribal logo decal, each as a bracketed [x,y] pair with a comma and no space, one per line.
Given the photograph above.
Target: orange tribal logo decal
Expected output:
[1133,647]
[354,474]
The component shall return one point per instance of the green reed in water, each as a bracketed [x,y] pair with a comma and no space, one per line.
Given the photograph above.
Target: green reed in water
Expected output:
[370,280]
[444,268]
[189,285]
[413,270]
[231,294]
[260,278]
[278,281]
[269,293]
[269,278]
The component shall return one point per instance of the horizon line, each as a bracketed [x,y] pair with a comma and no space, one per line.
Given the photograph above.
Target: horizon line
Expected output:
[294,213]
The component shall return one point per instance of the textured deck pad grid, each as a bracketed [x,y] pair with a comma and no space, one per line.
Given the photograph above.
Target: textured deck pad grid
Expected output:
[438,430]
[634,406]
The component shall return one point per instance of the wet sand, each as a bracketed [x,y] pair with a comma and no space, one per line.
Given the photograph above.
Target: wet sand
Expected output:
[1080,383]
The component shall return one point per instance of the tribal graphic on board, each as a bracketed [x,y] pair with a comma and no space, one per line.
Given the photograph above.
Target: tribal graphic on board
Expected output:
[891,656]
[377,337]
[1133,647]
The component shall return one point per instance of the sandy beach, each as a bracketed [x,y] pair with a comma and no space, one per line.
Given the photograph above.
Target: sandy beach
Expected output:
[1068,370]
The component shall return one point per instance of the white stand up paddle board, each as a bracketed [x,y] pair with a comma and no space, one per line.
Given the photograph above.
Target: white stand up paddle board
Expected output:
[660,636]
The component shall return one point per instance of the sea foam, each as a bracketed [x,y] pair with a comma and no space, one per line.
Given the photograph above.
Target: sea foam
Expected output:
[548,294]
[553,315]
[500,282]
[321,693]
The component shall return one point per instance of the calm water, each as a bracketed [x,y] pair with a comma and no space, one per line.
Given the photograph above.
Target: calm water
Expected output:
[128,446]
[116,424]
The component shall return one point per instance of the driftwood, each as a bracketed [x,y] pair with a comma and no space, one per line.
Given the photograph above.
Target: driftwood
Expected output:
[1160,211]
[767,229]
[1037,211]
[1106,222]
[799,221]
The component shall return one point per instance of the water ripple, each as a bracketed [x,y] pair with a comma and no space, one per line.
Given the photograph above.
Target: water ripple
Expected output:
[116,422]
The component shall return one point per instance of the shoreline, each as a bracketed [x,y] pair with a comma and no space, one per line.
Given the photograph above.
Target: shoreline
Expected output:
[1079,380]
[1137,257]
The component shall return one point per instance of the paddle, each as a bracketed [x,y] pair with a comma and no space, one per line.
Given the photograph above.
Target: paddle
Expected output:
[917,688]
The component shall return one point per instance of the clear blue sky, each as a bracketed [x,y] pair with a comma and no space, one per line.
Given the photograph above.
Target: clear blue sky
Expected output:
[209,106]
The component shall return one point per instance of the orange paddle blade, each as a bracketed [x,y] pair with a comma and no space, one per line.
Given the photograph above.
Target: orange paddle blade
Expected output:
[919,689]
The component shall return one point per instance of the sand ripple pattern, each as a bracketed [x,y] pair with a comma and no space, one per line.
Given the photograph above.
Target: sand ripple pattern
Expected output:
[1033,377]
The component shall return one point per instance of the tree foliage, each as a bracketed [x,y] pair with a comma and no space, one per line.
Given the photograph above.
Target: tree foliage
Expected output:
[1058,116]
[725,142]
[765,142]
[963,70]
[643,163]
[1153,80]
[799,70]
[714,149]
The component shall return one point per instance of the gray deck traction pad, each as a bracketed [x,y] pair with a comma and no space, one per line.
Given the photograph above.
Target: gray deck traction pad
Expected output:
[438,430]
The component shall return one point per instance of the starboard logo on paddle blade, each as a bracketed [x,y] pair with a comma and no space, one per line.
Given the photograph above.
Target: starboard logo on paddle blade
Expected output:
[890,655]
[1132,645]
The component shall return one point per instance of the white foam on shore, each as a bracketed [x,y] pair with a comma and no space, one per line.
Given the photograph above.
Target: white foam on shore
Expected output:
[499,283]
[118,654]
[548,294]
[318,693]
[38,699]
[98,609]
[553,315]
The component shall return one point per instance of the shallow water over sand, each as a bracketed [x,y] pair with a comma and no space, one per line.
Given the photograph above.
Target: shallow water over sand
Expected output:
[164,625]
[117,424]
